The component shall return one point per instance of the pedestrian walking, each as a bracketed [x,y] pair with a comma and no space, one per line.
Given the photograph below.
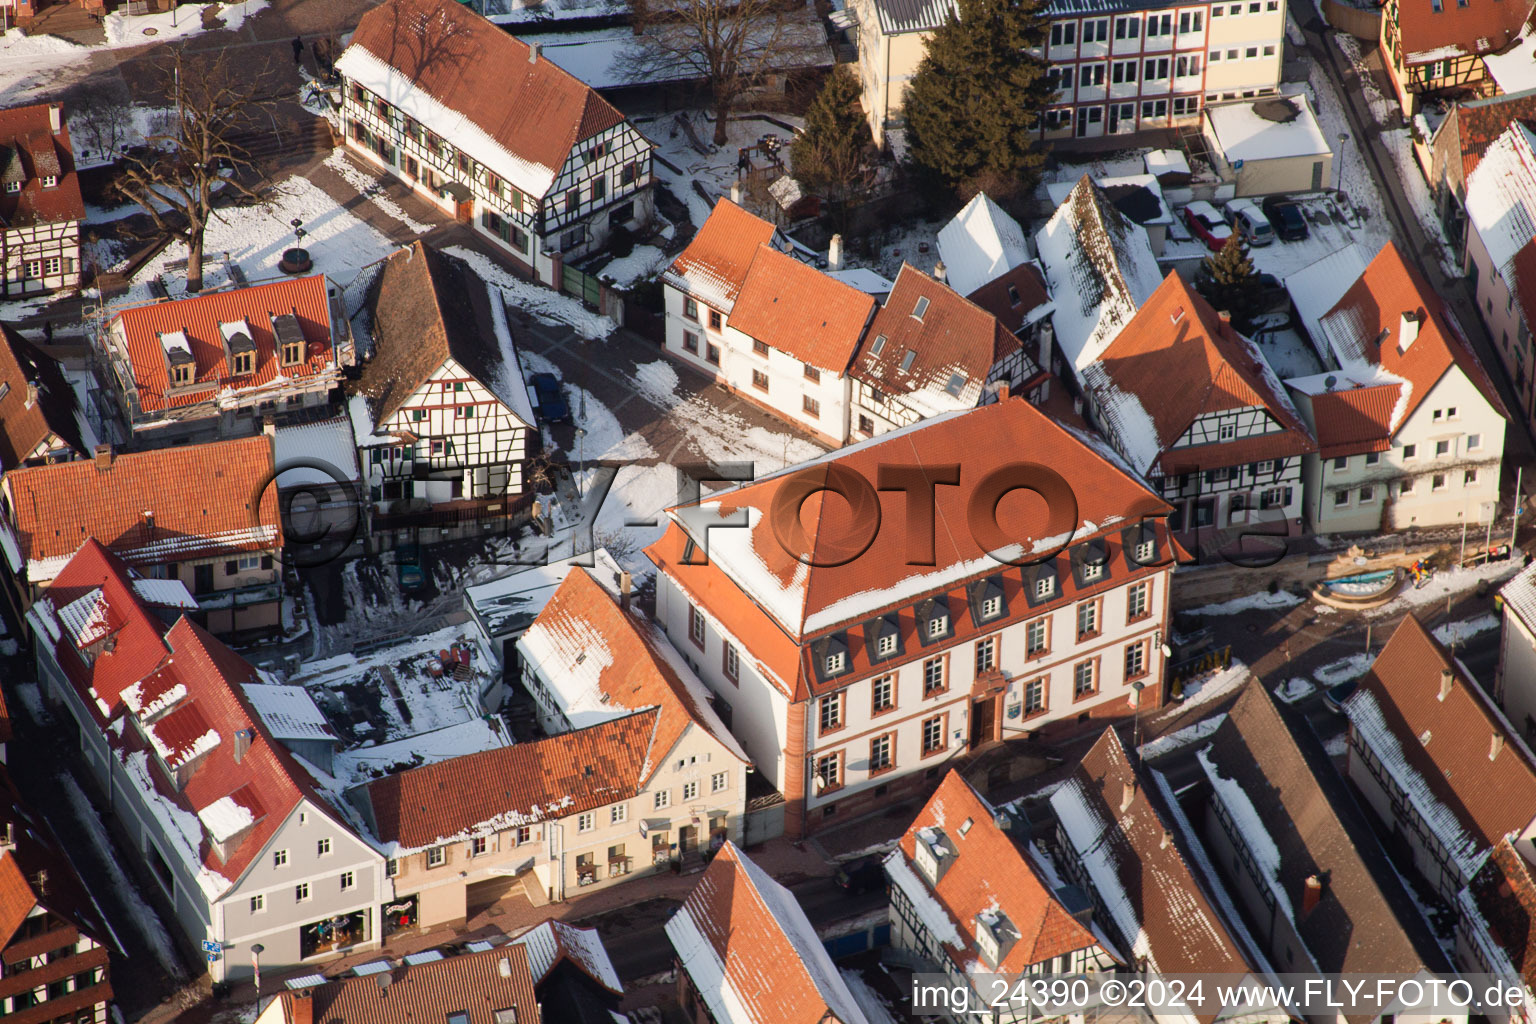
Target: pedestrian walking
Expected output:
[48,332]
[298,51]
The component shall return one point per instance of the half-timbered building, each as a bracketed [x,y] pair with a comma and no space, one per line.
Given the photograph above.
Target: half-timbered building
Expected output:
[1437,48]
[441,413]
[487,129]
[929,351]
[1195,408]
[969,899]
[42,417]
[216,365]
[40,203]
[853,664]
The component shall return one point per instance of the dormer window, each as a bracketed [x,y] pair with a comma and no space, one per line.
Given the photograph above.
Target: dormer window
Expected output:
[1140,543]
[50,181]
[1040,583]
[181,373]
[245,362]
[1146,550]
[994,936]
[932,853]
[992,607]
[986,943]
[933,620]
[290,339]
[1092,570]
[831,656]
[12,187]
[1090,562]
[886,645]
[986,598]
[1045,586]
[835,662]
[883,637]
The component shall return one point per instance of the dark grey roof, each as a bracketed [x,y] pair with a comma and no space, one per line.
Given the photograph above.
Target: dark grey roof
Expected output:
[897,16]
[1365,922]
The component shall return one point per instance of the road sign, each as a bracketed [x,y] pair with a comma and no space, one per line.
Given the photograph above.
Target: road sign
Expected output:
[209,946]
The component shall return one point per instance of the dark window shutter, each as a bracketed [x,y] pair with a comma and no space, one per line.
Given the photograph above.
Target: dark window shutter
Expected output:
[231,567]
[266,561]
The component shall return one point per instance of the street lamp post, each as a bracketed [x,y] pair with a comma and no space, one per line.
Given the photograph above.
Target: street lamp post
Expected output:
[1136,688]
[1343,143]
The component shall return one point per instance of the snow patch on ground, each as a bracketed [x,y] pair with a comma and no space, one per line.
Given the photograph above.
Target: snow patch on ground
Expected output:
[371,187]
[31,697]
[1447,584]
[1212,687]
[178,23]
[1252,602]
[1454,634]
[546,306]
[1345,669]
[642,264]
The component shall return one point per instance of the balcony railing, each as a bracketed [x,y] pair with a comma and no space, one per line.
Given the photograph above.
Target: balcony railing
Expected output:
[240,597]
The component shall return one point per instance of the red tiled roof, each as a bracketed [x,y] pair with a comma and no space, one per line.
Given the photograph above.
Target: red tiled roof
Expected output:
[1492,796]
[1183,930]
[1475,28]
[986,872]
[522,784]
[1478,124]
[54,413]
[1504,893]
[760,590]
[139,330]
[534,109]
[581,615]
[478,985]
[997,296]
[1373,308]
[757,935]
[203,500]
[137,645]
[1181,361]
[29,142]
[954,337]
[797,309]
[180,684]
[1356,421]
[714,265]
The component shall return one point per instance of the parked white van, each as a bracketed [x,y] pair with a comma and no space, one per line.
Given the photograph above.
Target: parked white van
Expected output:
[1249,222]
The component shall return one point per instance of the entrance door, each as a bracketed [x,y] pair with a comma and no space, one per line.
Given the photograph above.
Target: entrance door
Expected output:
[465,212]
[983,720]
[687,839]
[1082,121]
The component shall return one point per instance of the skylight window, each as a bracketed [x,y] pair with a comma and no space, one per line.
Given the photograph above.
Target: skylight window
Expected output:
[956,383]
[879,344]
[921,307]
[907,360]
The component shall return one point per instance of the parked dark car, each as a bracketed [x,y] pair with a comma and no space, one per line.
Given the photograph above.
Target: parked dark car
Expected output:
[1286,218]
[1336,695]
[865,875]
[552,406]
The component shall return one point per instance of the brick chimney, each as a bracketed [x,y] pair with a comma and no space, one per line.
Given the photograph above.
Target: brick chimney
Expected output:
[103,456]
[940,273]
[1311,894]
[302,1008]
[1446,678]
[1004,392]
[835,253]
[533,53]
[626,582]
[1225,316]
[32,393]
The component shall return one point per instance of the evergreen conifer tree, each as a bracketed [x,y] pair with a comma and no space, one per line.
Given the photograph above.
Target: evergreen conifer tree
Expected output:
[1231,282]
[831,155]
[974,106]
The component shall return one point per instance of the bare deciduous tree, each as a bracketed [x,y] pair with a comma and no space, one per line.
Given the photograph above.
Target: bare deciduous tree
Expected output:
[199,155]
[729,44]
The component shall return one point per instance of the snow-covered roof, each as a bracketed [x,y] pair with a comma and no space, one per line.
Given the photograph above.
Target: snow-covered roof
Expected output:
[511,603]
[1318,287]
[164,593]
[547,943]
[1248,824]
[1519,596]
[289,712]
[980,244]
[1058,191]
[1092,252]
[1243,133]
[225,818]
[864,279]
[1166,161]
[175,342]
[1501,195]
[1514,70]
[318,453]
